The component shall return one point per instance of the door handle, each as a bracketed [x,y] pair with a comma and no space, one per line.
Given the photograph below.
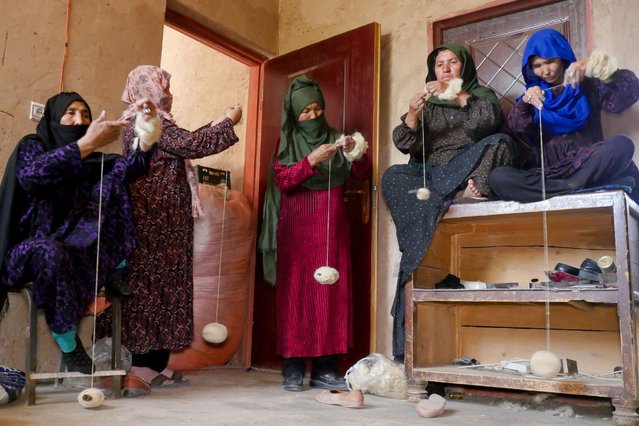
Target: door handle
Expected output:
[365,199]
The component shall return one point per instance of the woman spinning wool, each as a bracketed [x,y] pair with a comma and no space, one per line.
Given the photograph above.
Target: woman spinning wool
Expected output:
[450,132]
[158,316]
[49,225]
[310,168]
[567,96]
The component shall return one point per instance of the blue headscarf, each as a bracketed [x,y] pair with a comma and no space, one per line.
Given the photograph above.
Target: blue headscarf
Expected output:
[569,111]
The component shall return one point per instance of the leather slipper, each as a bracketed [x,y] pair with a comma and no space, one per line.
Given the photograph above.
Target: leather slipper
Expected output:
[134,386]
[164,381]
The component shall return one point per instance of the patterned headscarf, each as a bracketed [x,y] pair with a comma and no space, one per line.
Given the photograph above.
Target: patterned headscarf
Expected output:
[153,83]
[569,111]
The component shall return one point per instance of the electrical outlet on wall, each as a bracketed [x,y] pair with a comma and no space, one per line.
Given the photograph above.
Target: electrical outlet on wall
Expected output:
[36,111]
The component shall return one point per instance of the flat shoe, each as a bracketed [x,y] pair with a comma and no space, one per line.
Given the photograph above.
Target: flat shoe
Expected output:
[434,406]
[164,381]
[328,381]
[349,399]
[134,386]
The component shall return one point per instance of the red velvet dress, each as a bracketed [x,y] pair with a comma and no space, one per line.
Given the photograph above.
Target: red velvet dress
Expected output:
[312,319]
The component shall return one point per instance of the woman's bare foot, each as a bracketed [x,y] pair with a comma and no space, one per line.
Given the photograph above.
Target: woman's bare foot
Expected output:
[471,189]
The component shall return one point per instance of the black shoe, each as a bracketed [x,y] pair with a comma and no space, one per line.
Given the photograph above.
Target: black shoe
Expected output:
[118,284]
[294,382]
[329,381]
[436,388]
[78,359]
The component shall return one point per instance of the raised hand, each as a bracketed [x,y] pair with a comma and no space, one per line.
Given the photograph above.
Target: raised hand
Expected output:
[101,132]
[234,112]
[534,96]
[415,107]
[322,153]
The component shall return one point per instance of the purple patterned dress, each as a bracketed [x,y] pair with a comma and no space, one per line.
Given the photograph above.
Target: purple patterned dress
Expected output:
[59,254]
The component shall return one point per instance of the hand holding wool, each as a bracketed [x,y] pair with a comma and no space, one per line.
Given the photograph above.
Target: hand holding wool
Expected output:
[358,151]
[147,124]
[601,65]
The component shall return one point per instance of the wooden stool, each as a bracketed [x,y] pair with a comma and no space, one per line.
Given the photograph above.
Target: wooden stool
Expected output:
[116,371]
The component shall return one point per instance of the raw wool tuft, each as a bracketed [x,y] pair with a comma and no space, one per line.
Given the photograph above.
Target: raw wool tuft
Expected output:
[361,146]
[378,375]
[148,131]
[454,87]
[601,65]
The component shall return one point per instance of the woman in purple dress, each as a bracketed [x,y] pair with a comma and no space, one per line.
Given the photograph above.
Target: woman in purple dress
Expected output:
[49,225]
[567,97]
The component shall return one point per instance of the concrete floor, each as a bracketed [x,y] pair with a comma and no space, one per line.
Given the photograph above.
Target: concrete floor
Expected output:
[232,396]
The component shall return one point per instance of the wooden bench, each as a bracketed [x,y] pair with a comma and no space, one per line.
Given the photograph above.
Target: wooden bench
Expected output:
[502,242]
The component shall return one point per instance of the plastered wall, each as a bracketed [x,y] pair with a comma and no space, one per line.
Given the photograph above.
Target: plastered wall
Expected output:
[109,38]
[252,23]
[106,40]
[403,69]
[201,94]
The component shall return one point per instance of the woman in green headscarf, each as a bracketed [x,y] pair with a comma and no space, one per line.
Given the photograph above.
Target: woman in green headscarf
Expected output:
[450,133]
[306,187]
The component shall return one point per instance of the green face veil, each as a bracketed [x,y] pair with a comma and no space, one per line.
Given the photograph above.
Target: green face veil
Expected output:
[468,75]
[297,140]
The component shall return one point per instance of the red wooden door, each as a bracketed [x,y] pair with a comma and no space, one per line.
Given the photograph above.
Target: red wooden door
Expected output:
[347,69]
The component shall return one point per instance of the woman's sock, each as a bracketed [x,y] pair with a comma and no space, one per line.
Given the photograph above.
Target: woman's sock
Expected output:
[66,341]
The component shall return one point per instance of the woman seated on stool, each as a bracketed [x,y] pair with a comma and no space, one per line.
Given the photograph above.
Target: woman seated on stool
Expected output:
[49,224]
[450,132]
[567,96]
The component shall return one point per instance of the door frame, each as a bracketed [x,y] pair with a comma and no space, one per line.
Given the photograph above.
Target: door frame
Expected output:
[254,61]
[492,10]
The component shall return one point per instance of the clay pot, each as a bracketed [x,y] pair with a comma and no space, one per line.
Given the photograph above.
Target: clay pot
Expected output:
[238,244]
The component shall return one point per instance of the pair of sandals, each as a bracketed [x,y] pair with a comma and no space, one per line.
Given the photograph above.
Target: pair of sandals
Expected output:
[136,385]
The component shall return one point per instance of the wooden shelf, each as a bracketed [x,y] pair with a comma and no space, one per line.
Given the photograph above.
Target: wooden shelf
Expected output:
[604,295]
[501,242]
[579,385]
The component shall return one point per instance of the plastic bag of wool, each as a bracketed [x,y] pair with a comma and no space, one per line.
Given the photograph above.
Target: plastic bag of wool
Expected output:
[378,375]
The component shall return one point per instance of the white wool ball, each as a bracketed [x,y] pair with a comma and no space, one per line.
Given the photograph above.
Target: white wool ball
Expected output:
[91,398]
[423,194]
[326,275]
[545,364]
[215,332]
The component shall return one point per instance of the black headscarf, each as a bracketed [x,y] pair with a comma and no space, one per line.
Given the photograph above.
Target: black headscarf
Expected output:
[13,198]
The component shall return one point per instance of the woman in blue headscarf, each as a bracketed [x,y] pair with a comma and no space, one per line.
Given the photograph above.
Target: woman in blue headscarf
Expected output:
[567,96]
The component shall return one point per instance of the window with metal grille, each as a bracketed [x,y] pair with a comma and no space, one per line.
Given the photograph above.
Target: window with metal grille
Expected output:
[496,37]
